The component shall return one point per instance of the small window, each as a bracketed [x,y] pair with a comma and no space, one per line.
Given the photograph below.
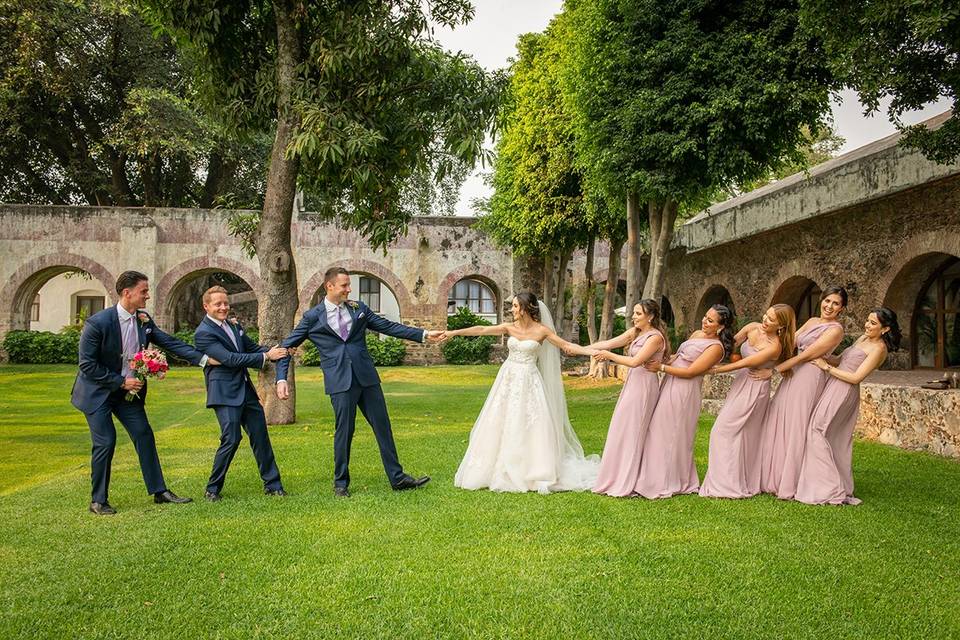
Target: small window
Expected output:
[370,293]
[475,296]
[87,306]
[35,309]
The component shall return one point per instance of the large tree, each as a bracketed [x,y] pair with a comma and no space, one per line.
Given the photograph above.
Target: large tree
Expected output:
[675,99]
[908,52]
[95,110]
[362,101]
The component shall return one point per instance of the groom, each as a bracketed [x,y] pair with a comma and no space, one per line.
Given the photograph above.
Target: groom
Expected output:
[337,327]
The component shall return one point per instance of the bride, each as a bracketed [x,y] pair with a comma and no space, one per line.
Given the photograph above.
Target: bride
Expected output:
[522,439]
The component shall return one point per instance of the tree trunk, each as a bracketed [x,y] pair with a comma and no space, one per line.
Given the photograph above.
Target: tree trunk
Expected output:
[663,216]
[547,295]
[278,299]
[604,369]
[217,171]
[590,293]
[559,306]
[634,250]
[119,183]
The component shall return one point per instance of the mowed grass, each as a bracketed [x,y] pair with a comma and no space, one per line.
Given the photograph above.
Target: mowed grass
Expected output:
[441,562]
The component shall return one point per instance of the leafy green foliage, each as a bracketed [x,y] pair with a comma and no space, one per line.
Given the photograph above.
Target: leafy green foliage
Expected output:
[467,349]
[96,110]
[674,99]
[381,112]
[906,51]
[42,347]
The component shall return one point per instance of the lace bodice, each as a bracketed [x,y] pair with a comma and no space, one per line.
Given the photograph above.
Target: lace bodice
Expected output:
[523,351]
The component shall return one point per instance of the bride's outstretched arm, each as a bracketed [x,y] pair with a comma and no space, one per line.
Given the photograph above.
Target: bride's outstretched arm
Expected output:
[493,330]
[569,348]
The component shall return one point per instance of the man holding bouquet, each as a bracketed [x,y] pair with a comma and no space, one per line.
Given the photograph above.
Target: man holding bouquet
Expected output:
[109,342]
[230,392]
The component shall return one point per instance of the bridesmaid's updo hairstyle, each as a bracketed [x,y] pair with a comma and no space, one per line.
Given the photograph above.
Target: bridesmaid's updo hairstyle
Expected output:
[835,290]
[528,304]
[652,310]
[725,335]
[888,320]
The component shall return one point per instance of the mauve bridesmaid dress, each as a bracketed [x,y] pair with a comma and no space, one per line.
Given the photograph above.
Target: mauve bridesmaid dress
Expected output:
[788,415]
[826,476]
[620,464]
[666,466]
[733,470]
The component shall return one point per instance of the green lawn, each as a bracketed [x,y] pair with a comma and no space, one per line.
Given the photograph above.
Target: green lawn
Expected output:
[440,562]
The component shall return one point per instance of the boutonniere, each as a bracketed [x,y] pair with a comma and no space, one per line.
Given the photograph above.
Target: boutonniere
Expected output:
[353,305]
[143,317]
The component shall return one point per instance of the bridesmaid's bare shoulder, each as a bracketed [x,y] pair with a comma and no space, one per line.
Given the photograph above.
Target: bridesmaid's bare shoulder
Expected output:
[698,334]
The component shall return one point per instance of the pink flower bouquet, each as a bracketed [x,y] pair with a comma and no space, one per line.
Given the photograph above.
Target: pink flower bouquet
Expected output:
[149,363]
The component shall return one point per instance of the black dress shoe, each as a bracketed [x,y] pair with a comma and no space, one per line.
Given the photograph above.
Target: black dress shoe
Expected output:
[212,496]
[275,492]
[341,492]
[102,508]
[409,482]
[169,496]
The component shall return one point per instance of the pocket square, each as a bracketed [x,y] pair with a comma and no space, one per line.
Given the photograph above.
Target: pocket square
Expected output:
[241,331]
[360,316]
[148,330]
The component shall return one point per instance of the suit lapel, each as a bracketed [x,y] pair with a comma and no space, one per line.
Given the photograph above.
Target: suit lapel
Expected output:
[141,332]
[221,336]
[116,338]
[353,319]
[322,320]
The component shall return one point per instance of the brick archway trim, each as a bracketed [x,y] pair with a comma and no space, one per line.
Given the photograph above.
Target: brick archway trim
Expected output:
[25,278]
[169,282]
[359,266]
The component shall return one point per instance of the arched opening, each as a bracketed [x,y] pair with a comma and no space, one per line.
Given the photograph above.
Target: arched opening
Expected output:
[51,292]
[936,319]
[370,290]
[717,294]
[801,293]
[67,298]
[478,295]
[185,301]
[666,312]
[924,294]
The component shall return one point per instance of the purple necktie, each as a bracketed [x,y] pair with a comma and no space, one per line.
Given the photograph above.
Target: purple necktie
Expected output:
[344,332]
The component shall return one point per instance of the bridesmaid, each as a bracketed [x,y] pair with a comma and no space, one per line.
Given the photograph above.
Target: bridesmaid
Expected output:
[666,465]
[785,425]
[733,470]
[648,341]
[826,476]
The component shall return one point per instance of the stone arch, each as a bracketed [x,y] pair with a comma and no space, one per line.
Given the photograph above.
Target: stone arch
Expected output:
[711,295]
[902,292]
[482,273]
[801,293]
[18,294]
[358,266]
[171,284]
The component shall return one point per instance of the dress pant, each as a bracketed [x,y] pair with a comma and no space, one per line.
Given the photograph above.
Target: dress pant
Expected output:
[251,418]
[371,402]
[103,433]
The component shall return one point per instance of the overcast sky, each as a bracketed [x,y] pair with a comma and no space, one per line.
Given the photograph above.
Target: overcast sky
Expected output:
[492,35]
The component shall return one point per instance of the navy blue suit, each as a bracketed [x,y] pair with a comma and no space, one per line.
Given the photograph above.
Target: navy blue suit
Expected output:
[351,380]
[231,394]
[98,393]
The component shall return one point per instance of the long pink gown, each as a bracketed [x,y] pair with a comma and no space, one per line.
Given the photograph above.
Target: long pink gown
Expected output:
[620,464]
[666,466]
[826,476]
[733,470]
[788,414]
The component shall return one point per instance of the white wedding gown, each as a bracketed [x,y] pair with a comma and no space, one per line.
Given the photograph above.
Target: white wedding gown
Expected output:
[521,441]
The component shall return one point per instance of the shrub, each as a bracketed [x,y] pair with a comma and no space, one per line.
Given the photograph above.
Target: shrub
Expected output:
[42,347]
[463,349]
[385,352]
